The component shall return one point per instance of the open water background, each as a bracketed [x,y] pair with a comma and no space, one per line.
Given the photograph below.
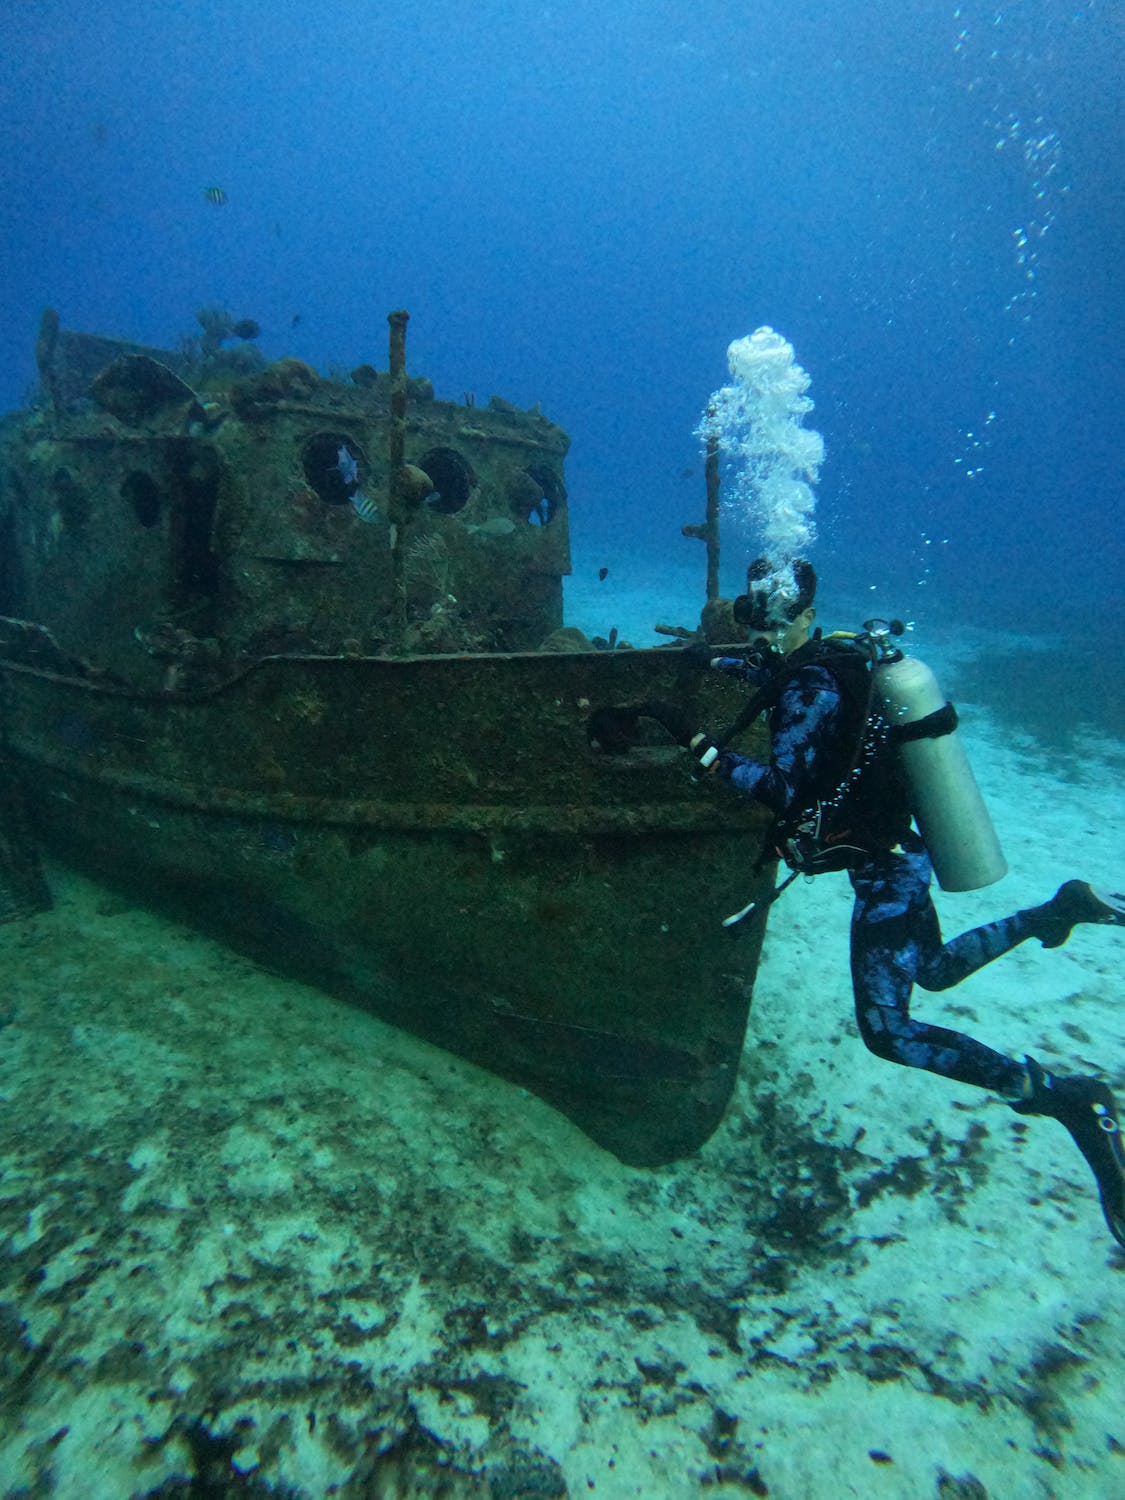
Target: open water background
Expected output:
[582,205]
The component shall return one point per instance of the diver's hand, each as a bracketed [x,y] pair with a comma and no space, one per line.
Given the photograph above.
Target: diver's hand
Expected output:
[680,725]
[615,730]
[674,718]
[704,751]
[763,659]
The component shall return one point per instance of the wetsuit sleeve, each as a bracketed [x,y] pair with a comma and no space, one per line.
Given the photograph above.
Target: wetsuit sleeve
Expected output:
[737,666]
[803,728]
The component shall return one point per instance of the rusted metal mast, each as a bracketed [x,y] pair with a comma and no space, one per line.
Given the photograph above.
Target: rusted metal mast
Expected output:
[709,531]
[396,509]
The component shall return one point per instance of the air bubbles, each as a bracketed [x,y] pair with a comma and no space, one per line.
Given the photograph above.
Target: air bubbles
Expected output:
[925,559]
[1015,59]
[1041,151]
[972,444]
[773,459]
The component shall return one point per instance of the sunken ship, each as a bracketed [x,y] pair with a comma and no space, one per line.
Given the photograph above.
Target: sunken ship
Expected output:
[285,656]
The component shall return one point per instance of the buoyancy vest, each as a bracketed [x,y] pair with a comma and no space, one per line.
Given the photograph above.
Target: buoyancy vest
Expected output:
[858,803]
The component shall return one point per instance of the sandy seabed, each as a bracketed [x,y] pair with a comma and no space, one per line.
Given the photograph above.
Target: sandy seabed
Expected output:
[254,1241]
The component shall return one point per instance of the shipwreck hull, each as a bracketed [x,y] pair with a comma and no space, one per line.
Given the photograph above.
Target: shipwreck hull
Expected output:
[307,693]
[435,839]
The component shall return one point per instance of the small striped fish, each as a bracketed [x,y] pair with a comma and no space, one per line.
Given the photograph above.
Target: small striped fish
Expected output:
[364,508]
[215,195]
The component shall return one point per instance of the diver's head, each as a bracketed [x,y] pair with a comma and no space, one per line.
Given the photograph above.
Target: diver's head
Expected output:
[778,603]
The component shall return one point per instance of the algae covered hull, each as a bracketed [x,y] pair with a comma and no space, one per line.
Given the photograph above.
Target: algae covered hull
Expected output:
[286,655]
[434,839]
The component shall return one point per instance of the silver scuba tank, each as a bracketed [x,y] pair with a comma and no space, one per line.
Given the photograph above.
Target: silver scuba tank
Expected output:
[945,800]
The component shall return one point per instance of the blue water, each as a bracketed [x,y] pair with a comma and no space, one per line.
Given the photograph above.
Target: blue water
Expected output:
[582,205]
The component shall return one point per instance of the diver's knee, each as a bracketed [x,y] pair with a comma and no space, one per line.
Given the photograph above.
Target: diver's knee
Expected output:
[878,1038]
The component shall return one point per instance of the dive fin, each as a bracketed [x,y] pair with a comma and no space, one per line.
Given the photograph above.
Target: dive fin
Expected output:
[1087,1108]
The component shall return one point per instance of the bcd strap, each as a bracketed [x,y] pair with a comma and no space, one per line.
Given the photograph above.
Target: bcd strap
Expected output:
[756,906]
[815,652]
[932,727]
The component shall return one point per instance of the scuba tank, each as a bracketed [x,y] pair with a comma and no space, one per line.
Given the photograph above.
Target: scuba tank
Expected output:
[944,797]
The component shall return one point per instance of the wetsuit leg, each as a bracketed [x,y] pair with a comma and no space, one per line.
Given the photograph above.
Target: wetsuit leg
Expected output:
[896,939]
[945,964]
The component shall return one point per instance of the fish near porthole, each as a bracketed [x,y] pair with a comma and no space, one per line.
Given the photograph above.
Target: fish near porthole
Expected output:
[549,498]
[335,466]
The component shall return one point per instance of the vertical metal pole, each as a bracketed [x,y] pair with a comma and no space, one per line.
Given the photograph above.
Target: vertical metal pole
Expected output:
[709,531]
[395,508]
[711,524]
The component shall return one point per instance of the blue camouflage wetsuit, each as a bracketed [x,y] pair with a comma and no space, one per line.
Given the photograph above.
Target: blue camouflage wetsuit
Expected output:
[895,934]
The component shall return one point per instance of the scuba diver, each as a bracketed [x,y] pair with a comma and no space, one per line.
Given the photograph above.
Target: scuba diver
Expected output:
[845,794]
